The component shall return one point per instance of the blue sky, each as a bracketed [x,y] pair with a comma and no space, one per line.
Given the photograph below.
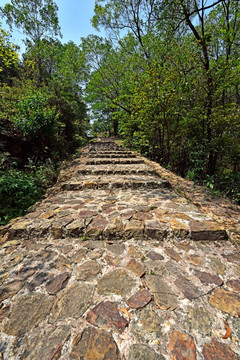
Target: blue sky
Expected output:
[74,17]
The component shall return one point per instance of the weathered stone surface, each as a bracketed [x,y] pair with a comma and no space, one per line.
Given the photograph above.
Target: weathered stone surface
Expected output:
[27,312]
[173,254]
[78,255]
[73,302]
[134,228]
[76,228]
[10,289]
[163,294]
[227,301]
[88,271]
[218,351]
[234,284]
[136,267]
[195,259]
[147,325]
[217,266]
[179,228]
[207,230]
[48,345]
[59,282]
[207,278]
[142,352]
[96,226]
[112,261]
[153,255]
[155,229]
[181,346]
[233,257]
[117,249]
[115,282]
[134,252]
[106,315]
[200,320]
[95,344]
[188,289]
[38,280]
[140,299]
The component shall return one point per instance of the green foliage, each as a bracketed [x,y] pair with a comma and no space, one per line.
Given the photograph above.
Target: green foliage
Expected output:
[35,118]
[8,57]
[19,189]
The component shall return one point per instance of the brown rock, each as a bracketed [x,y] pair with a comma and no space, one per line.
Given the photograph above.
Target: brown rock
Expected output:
[188,289]
[47,345]
[27,312]
[234,284]
[142,352]
[115,282]
[73,302]
[76,228]
[10,289]
[163,295]
[57,283]
[147,324]
[95,344]
[112,261]
[88,271]
[153,255]
[140,299]
[200,321]
[234,257]
[134,228]
[207,278]
[179,228]
[195,259]
[106,316]
[96,226]
[218,351]
[117,249]
[173,254]
[86,214]
[227,301]
[217,266]
[134,252]
[155,229]
[181,346]
[78,255]
[207,230]
[136,267]
[58,225]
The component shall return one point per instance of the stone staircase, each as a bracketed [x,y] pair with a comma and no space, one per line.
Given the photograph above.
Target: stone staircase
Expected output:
[115,265]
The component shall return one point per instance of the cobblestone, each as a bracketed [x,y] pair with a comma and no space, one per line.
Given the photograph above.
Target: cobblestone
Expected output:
[114,264]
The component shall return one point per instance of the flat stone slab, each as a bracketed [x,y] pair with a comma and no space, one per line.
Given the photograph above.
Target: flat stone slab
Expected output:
[27,312]
[163,295]
[106,315]
[182,346]
[73,302]
[47,344]
[115,282]
[227,301]
[95,344]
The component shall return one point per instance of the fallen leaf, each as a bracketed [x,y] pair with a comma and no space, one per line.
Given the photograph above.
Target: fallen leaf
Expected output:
[228,331]
[67,265]
[124,310]
[162,307]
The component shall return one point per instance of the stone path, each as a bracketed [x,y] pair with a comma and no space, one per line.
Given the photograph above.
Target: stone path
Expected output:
[114,264]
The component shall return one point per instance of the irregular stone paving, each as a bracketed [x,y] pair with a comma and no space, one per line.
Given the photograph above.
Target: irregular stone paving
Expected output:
[114,264]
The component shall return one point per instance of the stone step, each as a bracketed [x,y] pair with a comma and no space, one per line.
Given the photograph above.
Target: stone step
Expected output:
[115,184]
[93,225]
[105,161]
[111,156]
[97,153]
[115,171]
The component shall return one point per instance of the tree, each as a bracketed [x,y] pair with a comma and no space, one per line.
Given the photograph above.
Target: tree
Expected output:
[8,57]
[38,19]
